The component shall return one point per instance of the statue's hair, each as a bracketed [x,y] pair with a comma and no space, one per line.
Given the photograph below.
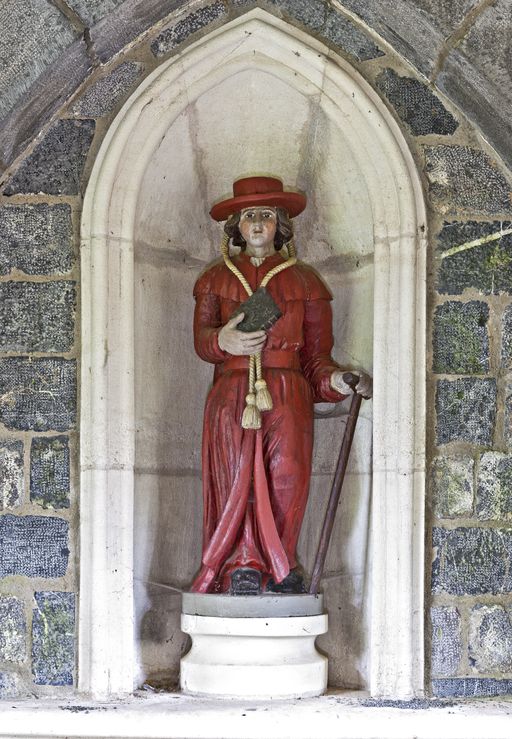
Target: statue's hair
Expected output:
[284,230]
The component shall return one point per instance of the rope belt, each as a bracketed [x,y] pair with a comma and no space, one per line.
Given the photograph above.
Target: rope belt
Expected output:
[272,358]
[258,398]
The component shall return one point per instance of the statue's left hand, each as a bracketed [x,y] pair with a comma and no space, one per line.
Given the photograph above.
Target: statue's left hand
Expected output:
[364,387]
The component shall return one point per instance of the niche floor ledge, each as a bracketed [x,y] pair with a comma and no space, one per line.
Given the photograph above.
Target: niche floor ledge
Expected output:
[337,715]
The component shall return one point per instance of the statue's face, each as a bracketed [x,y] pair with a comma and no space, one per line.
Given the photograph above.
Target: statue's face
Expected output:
[258,226]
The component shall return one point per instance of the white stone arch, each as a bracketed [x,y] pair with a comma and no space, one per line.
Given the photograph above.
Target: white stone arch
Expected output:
[106,638]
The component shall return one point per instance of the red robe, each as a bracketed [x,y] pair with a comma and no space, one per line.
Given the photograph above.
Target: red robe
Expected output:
[256,483]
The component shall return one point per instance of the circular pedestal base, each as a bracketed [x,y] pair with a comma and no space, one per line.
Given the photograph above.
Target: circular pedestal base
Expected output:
[261,657]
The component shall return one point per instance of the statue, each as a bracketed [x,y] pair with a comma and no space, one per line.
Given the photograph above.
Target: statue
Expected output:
[258,421]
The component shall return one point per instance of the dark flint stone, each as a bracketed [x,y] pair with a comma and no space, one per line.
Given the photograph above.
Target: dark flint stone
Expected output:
[471,687]
[34,546]
[38,394]
[446,640]
[343,33]
[466,410]
[506,339]
[195,21]
[104,94]
[37,316]
[461,341]
[36,239]
[416,105]
[494,488]
[11,474]
[13,630]
[466,179]
[472,561]
[311,13]
[486,267]
[49,472]
[53,638]
[56,164]
[10,685]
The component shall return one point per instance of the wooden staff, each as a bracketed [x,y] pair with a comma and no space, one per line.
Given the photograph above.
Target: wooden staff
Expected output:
[350,379]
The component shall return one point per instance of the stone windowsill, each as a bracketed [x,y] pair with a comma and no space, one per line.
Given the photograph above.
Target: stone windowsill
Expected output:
[341,715]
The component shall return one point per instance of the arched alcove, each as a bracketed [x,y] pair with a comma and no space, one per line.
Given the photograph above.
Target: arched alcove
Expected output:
[139,215]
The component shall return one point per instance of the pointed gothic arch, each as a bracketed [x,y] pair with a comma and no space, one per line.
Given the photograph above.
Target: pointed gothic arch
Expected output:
[106,636]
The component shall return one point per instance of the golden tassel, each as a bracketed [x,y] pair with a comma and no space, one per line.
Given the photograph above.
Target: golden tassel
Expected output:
[251,418]
[263,397]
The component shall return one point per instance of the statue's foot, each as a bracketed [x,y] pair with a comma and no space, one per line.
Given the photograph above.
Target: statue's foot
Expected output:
[293,584]
[245,581]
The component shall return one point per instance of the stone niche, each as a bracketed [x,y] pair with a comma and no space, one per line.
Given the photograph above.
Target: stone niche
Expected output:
[253,97]
[251,123]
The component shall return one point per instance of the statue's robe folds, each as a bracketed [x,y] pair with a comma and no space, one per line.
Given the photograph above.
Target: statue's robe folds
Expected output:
[256,483]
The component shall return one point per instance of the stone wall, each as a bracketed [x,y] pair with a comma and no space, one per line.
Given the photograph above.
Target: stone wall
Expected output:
[469,399]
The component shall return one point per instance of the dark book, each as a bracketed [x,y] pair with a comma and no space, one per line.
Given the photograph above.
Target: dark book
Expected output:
[260,312]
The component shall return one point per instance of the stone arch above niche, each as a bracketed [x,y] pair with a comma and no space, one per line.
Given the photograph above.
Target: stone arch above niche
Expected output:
[378,150]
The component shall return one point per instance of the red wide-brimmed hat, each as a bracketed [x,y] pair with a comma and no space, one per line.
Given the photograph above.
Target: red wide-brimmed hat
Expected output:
[252,191]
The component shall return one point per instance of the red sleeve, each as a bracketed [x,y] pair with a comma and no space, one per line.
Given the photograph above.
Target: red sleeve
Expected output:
[315,356]
[206,328]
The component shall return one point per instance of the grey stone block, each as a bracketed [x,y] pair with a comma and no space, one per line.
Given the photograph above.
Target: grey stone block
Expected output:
[452,486]
[446,640]
[43,101]
[104,95]
[11,474]
[56,164]
[128,21]
[506,339]
[92,11]
[348,37]
[311,13]
[461,341]
[36,239]
[185,27]
[490,639]
[10,686]
[486,267]
[34,33]
[508,414]
[471,687]
[13,630]
[482,102]
[53,639]
[494,487]
[467,180]
[37,316]
[49,472]
[414,33]
[466,410]
[416,105]
[487,46]
[472,561]
[38,394]
[34,546]
[446,14]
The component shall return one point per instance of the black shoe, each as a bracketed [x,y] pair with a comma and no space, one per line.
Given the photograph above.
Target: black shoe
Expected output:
[293,584]
[245,581]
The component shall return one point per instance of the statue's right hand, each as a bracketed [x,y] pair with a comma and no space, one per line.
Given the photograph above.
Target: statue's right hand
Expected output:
[239,343]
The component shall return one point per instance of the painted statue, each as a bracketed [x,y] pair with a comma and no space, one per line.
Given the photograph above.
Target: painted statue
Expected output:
[258,421]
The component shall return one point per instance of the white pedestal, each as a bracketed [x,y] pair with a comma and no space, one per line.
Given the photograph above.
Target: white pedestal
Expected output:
[253,656]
